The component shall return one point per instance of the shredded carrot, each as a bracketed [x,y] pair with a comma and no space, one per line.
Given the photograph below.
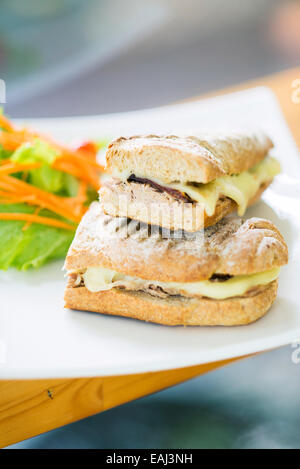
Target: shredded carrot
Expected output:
[14,137]
[78,156]
[80,171]
[43,198]
[29,217]
[28,223]
[26,135]
[73,162]
[8,197]
[12,140]
[80,162]
[82,192]
[5,123]
[12,167]
[80,197]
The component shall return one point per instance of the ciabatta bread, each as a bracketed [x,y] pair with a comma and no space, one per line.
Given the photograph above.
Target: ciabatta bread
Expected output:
[199,158]
[233,246]
[174,311]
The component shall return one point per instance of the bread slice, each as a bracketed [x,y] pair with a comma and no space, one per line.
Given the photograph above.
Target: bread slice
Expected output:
[142,202]
[200,159]
[231,247]
[174,311]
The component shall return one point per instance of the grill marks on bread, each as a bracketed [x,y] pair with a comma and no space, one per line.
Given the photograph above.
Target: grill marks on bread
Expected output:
[231,247]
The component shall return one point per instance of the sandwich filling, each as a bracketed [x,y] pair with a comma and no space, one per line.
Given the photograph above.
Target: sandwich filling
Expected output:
[219,287]
[240,187]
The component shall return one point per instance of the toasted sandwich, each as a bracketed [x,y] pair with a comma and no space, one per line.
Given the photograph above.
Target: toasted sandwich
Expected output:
[225,275]
[186,182]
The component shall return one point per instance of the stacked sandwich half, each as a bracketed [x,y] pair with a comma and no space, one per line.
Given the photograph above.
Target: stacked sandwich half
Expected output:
[160,246]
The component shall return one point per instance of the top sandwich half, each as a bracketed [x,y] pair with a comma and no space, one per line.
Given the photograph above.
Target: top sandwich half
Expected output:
[186,182]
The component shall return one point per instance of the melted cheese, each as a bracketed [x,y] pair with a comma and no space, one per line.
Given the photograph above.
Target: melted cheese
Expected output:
[100,279]
[240,188]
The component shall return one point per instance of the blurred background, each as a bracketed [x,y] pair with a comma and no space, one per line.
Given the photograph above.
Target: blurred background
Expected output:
[69,57]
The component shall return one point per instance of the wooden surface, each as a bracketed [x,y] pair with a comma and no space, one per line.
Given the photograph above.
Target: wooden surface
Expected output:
[28,408]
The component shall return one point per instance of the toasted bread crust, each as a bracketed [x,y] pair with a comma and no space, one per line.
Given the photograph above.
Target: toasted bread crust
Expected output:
[232,246]
[174,311]
[196,159]
[142,202]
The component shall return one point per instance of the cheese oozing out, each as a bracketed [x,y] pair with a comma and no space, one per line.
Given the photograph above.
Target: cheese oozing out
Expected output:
[240,187]
[100,279]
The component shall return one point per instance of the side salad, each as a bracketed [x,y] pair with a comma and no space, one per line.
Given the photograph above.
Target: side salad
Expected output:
[45,188]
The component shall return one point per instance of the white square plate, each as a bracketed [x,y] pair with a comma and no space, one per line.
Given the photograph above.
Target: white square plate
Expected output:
[40,339]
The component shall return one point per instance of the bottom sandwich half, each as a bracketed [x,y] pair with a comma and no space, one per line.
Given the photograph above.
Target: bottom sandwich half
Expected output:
[174,311]
[224,275]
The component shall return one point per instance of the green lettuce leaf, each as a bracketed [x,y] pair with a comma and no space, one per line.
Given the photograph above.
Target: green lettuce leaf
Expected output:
[45,177]
[38,244]
[4,154]
[34,246]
